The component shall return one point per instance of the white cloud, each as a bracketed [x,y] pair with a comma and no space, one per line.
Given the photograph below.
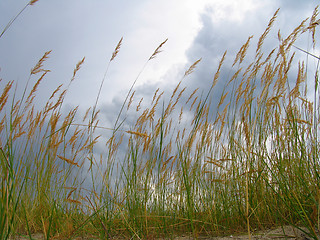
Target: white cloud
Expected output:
[76,28]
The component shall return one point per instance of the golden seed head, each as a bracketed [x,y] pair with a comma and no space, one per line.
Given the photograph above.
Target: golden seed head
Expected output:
[33,2]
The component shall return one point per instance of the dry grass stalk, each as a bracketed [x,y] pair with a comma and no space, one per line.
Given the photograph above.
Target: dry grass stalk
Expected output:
[138,134]
[295,92]
[157,51]
[194,101]
[95,117]
[73,201]
[68,160]
[192,94]
[235,75]
[77,68]
[55,91]
[242,52]
[222,99]
[32,2]
[314,22]
[31,96]
[177,100]
[130,100]
[157,100]
[217,74]
[117,49]
[214,162]
[2,127]
[180,115]
[288,42]
[155,95]
[264,35]
[191,68]
[38,67]
[86,114]
[175,90]
[222,120]
[74,138]
[139,105]
[92,143]
[4,96]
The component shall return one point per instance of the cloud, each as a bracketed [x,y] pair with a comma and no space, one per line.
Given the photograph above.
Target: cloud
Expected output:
[230,34]
[222,33]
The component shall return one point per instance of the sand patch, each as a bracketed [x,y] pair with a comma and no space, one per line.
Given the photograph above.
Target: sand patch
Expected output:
[286,232]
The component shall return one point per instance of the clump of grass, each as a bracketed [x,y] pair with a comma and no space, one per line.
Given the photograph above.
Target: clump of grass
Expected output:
[248,162]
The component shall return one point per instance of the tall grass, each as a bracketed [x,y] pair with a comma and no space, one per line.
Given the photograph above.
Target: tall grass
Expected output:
[186,165]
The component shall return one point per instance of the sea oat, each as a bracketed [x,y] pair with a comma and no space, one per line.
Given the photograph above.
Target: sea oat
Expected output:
[18,134]
[77,68]
[146,144]
[86,114]
[242,52]
[247,133]
[139,105]
[116,51]
[177,100]
[214,162]
[222,99]
[216,76]
[142,118]
[151,114]
[180,115]
[223,122]
[138,134]
[192,67]
[55,91]
[32,2]
[267,75]
[265,33]
[288,42]
[158,98]
[155,95]
[168,128]
[68,160]
[38,67]
[312,25]
[4,95]
[175,90]
[92,143]
[17,120]
[235,75]
[72,190]
[69,118]
[295,92]
[155,53]
[192,94]
[31,96]
[192,104]
[256,67]
[165,163]
[73,201]
[74,138]
[130,100]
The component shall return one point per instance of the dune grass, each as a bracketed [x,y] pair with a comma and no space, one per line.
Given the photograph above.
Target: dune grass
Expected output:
[187,165]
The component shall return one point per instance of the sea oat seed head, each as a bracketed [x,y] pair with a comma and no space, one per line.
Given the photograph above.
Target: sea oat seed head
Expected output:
[116,51]
[38,66]
[33,2]
[192,67]
[158,49]
[77,68]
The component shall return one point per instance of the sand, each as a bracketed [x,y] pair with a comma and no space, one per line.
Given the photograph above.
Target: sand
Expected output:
[287,232]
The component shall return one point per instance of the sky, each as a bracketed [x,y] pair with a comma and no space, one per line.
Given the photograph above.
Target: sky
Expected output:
[75,29]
